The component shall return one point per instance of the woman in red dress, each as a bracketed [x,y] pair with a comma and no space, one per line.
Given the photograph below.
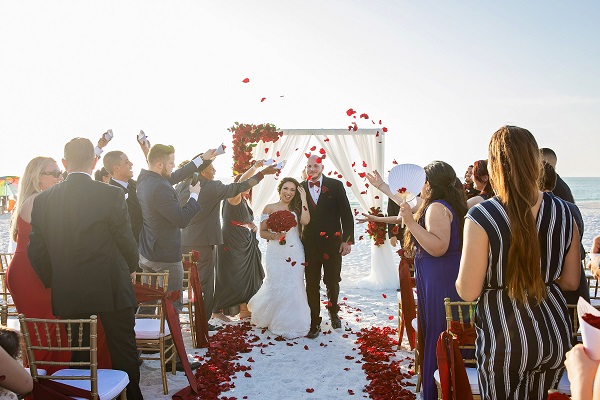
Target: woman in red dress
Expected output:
[28,292]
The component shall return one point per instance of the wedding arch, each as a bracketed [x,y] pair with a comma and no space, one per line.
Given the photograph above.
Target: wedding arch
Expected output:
[343,148]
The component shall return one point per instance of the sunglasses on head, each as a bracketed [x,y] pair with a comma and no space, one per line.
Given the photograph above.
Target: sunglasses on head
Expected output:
[55,173]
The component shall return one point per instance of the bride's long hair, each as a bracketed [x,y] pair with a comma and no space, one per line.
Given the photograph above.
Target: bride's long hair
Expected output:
[296,203]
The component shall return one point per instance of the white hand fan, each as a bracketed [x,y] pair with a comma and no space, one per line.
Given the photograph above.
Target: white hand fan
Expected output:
[590,336]
[406,181]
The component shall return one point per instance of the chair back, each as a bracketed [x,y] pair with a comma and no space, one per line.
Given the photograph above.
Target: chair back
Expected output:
[77,340]
[152,309]
[187,292]
[5,297]
[460,322]
[5,259]
[576,334]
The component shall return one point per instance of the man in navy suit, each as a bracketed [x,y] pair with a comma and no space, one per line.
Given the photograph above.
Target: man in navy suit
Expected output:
[82,247]
[330,213]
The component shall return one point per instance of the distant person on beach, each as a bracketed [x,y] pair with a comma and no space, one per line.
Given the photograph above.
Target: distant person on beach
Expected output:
[433,236]
[517,273]
[330,212]
[594,263]
[82,247]
[561,190]
[481,181]
[29,294]
[204,230]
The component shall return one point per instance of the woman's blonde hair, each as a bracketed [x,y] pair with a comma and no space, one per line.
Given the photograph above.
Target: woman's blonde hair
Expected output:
[29,184]
[514,166]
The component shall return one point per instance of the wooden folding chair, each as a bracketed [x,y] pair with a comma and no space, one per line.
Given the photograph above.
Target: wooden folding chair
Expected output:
[187,298]
[5,297]
[460,322]
[102,383]
[152,334]
[5,259]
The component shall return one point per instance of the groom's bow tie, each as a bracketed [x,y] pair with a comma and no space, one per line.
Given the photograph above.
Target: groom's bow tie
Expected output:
[311,184]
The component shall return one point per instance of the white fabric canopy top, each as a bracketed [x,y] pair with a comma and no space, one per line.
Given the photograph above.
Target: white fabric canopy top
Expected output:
[343,148]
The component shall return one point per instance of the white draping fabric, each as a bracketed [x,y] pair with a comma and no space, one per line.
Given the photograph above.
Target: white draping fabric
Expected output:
[266,191]
[343,150]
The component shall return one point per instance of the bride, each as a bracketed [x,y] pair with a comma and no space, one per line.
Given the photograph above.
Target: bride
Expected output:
[280,304]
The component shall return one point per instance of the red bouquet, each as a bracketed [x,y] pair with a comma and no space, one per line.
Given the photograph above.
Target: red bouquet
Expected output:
[281,221]
[377,230]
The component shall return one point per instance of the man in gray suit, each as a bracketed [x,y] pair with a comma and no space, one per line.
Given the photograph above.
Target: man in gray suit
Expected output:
[203,232]
[162,214]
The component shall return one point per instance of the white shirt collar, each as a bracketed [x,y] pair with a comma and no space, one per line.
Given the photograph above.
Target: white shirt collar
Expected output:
[124,184]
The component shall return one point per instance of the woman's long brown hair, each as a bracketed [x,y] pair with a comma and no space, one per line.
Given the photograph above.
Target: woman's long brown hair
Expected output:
[514,166]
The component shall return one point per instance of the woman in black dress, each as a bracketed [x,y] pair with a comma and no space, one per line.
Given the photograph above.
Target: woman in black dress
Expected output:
[239,270]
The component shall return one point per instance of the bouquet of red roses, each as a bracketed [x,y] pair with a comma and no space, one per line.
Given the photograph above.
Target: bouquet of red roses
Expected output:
[281,221]
[376,230]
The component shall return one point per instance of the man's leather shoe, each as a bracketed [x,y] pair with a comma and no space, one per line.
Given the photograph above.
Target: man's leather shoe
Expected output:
[179,366]
[335,321]
[314,331]
[212,327]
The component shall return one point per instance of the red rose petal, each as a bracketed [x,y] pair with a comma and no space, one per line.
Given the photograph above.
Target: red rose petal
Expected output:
[307,155]
[353,164]
[365,116]
[246,80]
[293,263]
[318,160]
[263,99]
[350,392]
[361,237]
[349,358]
[346,369]
[326,140]
[250,359]
[247,375]
[338,233]
[348,184]
[310,390]
[377,197]
[362,174]
[350,112]
[364,164]
[344,298]
[288,259]
[305,209]
[379,122]
[278,154]
[395,162]
[363,192]
[384,129]
[322,233]
[384,295]
[377,134]
[391,317]
[326,256]
[322,150]
[266,150]
[305,347]
[313,148]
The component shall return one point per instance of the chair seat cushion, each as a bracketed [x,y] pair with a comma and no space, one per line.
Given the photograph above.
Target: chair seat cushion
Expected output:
[111,382]
[564,386]
[148,328]
[471,374]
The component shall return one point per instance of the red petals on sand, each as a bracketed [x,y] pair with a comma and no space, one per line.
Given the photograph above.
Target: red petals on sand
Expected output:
[350,392]
[246,80]
[310,390]
[386,379]
[384,295]
[344,298]
[293,263]
[391,317]
[305,347]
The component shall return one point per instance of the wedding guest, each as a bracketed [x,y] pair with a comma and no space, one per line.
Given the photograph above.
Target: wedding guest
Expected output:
[29,294]
[14,379]
[239,272]
[203,232]
[102,175]
[330,212]
[547,184]
[594,263]
[121,171]
[561,190]
[520,250]
[584,375]
[81,245]
[433,235]
[469,186]
[481,181]
[163,216]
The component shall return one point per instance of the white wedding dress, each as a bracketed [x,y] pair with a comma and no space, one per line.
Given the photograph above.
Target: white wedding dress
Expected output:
[280,304]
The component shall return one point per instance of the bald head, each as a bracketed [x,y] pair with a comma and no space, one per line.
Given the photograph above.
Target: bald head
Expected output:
[314,167]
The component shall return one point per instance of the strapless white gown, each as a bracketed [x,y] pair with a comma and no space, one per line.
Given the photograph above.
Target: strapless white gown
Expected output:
[280,304]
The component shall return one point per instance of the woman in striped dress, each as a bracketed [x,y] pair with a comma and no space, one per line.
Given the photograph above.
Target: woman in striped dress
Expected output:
[517,256]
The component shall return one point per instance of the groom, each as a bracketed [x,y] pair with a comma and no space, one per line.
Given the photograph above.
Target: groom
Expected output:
[327,238]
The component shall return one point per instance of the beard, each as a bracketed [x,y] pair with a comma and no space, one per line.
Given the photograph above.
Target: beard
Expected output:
[165,173]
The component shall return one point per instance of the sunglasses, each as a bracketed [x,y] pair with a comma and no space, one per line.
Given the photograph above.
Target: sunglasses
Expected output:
[56,173]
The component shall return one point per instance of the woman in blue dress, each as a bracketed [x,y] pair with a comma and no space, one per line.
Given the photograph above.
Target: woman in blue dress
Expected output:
[433,235]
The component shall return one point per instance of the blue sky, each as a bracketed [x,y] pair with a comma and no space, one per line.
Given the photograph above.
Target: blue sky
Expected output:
[442,76]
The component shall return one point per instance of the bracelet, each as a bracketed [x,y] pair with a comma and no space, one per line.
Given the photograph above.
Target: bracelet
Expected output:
[377,187]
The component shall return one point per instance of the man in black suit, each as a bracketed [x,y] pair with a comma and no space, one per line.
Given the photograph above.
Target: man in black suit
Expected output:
[204,231]
[82,247]
[120,168]
[330,213]
[163,216]
[561,190]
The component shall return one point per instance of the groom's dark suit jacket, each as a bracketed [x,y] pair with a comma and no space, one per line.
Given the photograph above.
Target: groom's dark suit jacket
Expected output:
[331,214]
[133,206]
[81,245]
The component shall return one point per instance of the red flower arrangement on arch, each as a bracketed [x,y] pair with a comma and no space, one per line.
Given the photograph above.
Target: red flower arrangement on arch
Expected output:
[376,230]
[245,138]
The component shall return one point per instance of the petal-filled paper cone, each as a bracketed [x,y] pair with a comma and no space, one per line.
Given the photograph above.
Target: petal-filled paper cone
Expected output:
[589,334]
[220,150]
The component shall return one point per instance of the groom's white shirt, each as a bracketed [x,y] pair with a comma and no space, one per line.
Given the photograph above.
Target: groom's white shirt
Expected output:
[316,191]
